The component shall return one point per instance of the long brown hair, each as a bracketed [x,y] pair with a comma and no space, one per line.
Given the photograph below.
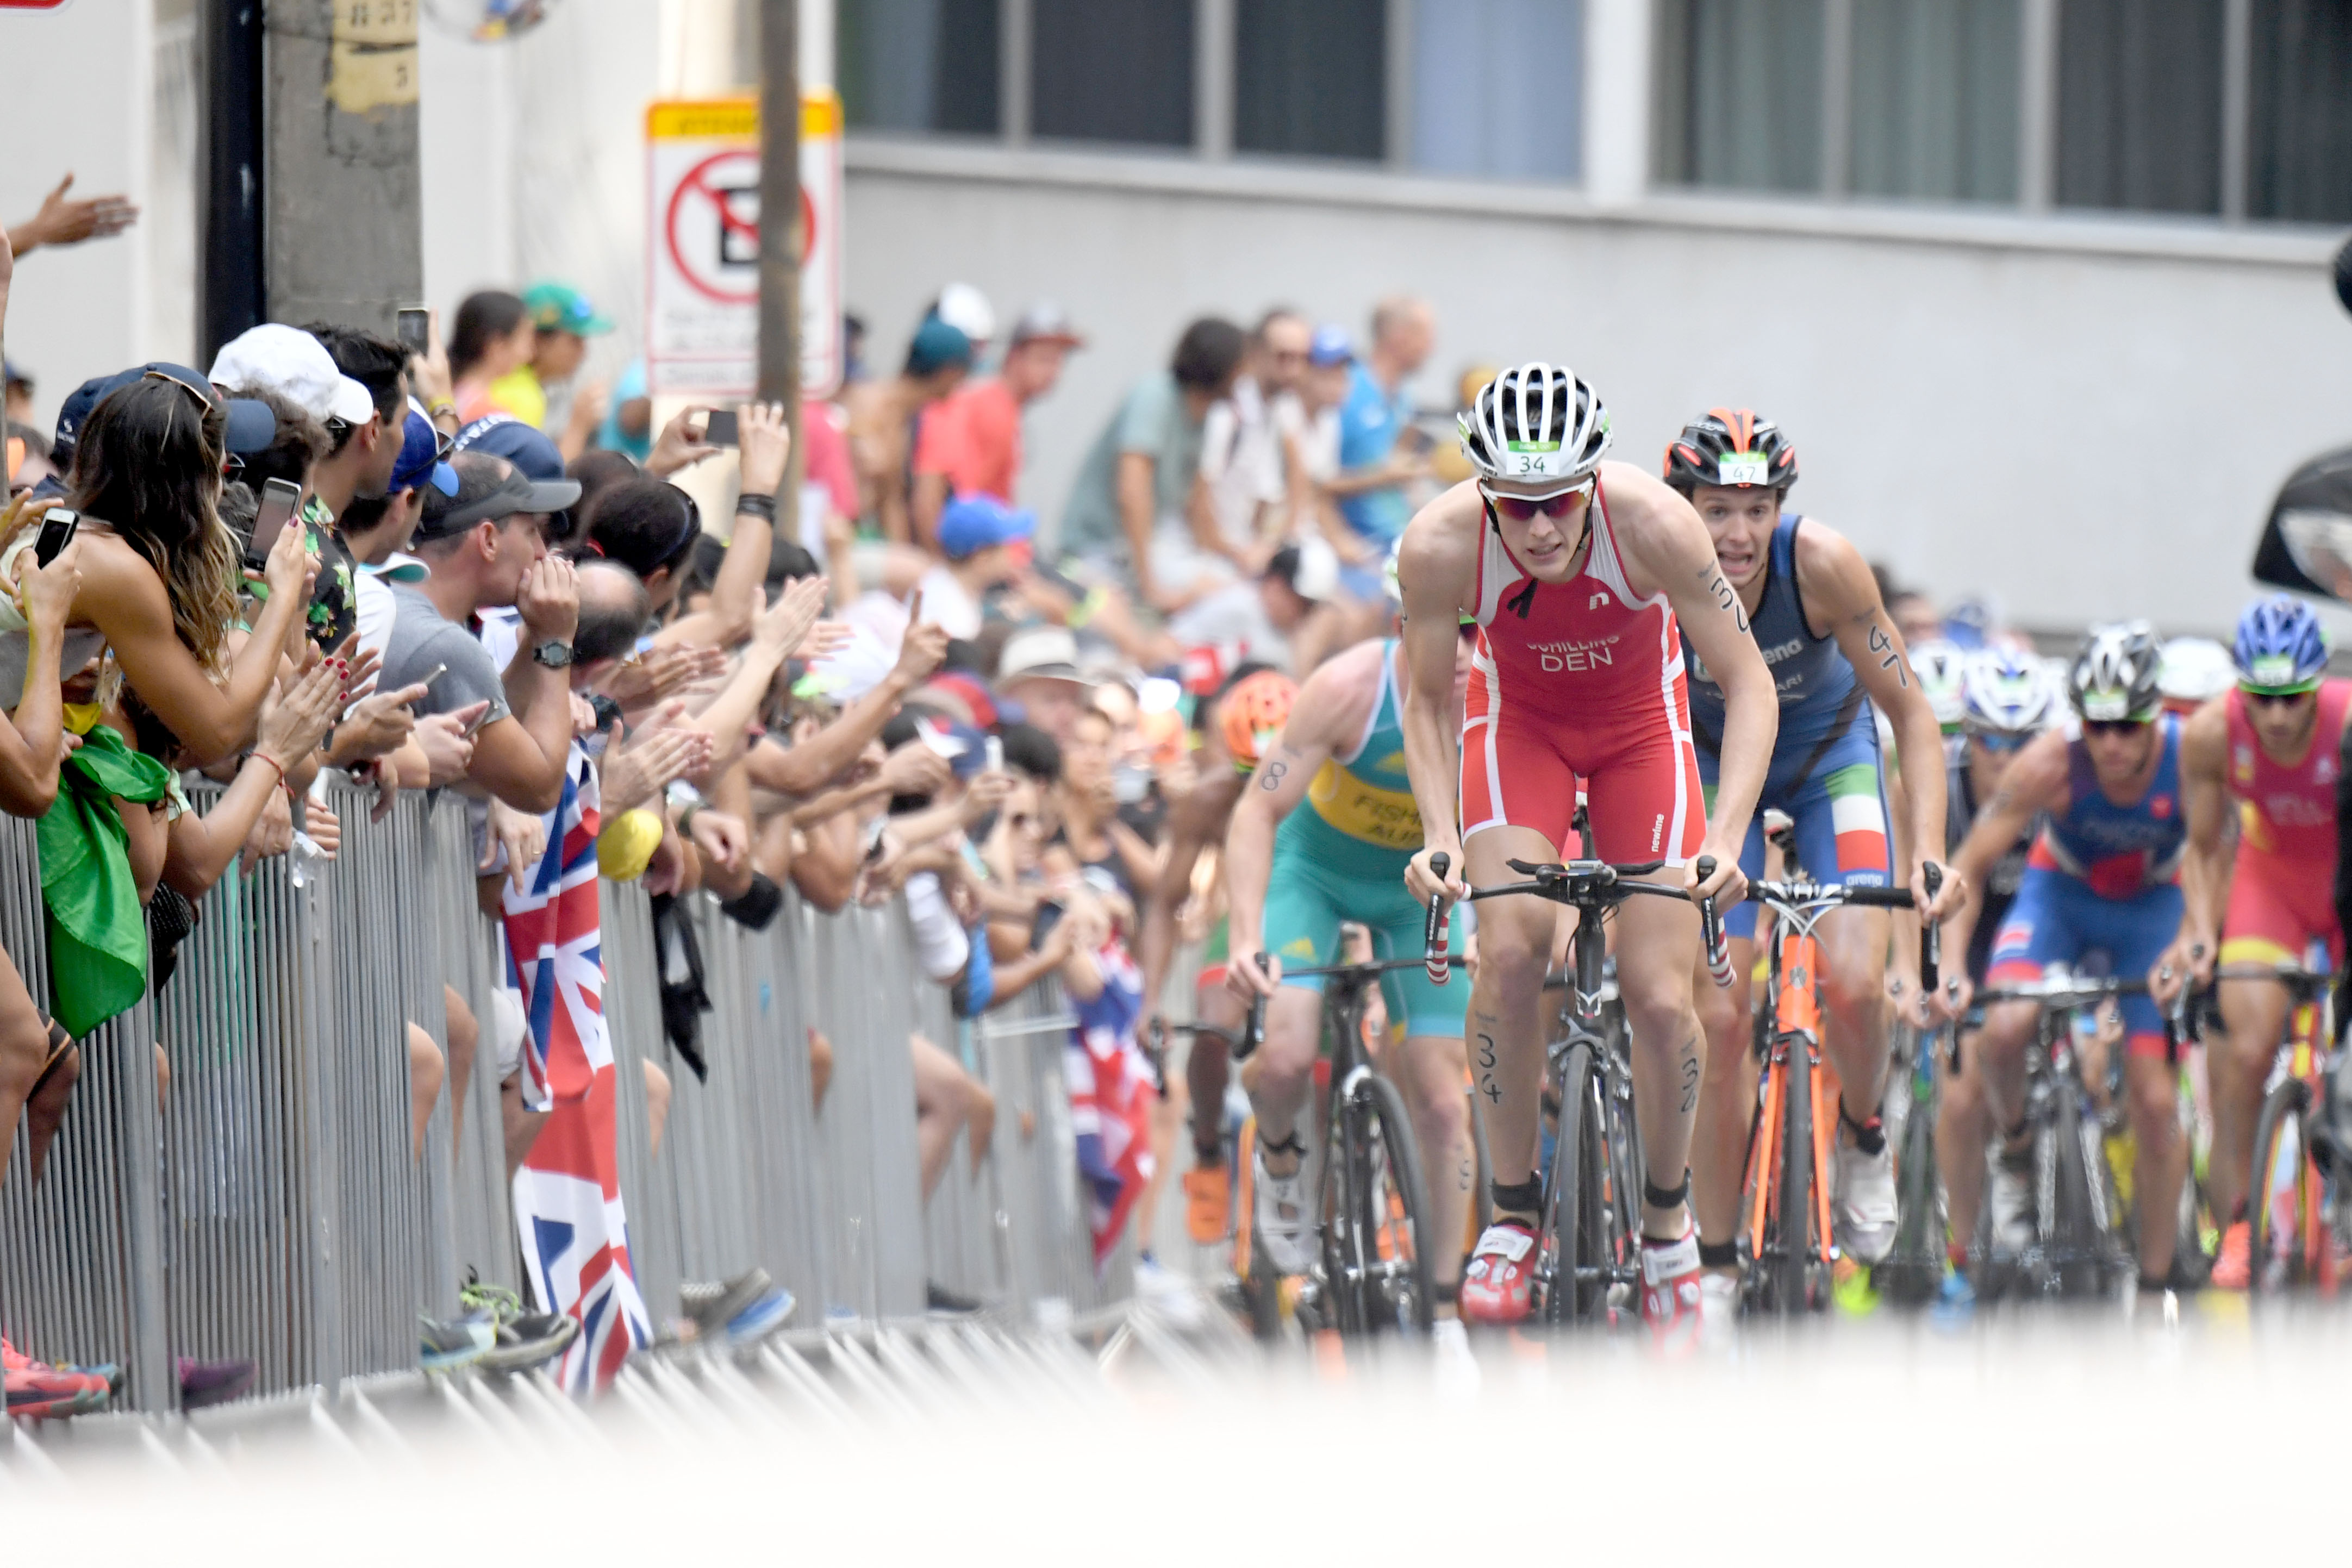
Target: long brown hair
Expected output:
[148,466]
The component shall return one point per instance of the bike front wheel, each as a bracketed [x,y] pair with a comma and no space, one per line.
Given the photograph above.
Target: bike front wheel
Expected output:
[1787,1269]
[2283,1247]
[1376,1234]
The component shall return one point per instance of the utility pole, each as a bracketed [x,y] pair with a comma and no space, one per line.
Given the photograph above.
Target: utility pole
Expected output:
[781,235]
[343,213]
[231,292]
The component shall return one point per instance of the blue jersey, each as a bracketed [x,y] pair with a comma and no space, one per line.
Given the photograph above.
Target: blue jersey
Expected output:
[2116,850]
[1820,694]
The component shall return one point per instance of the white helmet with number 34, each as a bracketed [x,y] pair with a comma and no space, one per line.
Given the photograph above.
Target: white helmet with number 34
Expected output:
[1535,424]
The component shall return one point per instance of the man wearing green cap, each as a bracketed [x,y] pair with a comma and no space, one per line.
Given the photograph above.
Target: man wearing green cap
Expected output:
[566,320]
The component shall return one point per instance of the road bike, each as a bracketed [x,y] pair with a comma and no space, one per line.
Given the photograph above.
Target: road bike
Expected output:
[2076,1246]
[1371,1272]
[2295,1219]
[1587,1249]
[1786,1238]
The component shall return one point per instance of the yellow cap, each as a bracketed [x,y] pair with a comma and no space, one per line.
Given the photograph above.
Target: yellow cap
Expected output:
[627,845]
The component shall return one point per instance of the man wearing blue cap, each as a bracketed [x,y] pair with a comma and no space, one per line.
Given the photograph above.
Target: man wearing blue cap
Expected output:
[973,533]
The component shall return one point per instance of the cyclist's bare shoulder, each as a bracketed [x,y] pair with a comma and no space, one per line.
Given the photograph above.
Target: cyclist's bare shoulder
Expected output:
[1439,552]
[1658,535]
[2041,780]
[1336,703]
[2205,739]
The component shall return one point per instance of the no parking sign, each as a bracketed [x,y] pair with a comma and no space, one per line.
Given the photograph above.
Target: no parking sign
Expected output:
[702,247]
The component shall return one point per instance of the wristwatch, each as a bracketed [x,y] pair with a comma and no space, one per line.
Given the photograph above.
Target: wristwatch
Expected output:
[554,655]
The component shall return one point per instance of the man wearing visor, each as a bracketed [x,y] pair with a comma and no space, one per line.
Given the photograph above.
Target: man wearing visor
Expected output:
[1583,577]
[2273,743]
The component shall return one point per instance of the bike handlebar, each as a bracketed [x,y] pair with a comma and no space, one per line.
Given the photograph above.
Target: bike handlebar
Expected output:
[1710,928]
[1588,885]
[1435,937]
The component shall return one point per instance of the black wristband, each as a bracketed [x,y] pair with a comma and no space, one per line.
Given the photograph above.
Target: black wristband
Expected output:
[757,505]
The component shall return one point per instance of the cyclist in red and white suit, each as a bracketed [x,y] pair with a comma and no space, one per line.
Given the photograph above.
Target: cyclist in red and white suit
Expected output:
[1581,577]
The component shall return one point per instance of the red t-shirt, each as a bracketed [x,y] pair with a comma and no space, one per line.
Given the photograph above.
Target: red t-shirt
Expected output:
[824,456]
[973,438]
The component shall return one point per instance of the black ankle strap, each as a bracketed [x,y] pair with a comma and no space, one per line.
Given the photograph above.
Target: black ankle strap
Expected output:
[1289,1145]
[1718,1254]
[1662,1198]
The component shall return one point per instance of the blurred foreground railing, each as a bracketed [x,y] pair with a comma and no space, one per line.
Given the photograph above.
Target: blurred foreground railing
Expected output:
[261,1201]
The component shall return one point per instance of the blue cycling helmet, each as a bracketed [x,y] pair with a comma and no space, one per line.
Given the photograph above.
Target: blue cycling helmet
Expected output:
[2280,646]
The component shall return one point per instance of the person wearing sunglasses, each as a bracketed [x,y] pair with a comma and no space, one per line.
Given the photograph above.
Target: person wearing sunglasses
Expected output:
[1838,663]
[2102,878]
[2006,698]
[1584,580]
[2270,746]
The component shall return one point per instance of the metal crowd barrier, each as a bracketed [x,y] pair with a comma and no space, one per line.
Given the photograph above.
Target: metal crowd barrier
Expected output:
[268,1205]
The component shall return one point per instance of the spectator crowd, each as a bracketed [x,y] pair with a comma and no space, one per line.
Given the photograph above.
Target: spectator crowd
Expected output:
[471,569]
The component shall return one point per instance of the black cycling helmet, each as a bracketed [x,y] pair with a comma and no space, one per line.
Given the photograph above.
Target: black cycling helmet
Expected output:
[1731,447]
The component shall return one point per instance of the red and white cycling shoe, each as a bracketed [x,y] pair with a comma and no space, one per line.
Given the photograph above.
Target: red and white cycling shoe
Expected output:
[1498,1281]
[1670,1292]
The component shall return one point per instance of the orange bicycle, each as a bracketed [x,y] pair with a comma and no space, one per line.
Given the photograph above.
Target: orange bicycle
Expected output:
[2296,1221]
[1785,1232]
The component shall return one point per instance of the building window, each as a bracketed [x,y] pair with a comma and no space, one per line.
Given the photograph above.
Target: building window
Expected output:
[1740,98]
[1112,70]
[2140,105]
[1934,96]
[919,65]
[1311,76]
[1498,88]
[2300,107]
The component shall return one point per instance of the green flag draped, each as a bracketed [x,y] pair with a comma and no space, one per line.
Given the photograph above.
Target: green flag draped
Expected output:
[98,931]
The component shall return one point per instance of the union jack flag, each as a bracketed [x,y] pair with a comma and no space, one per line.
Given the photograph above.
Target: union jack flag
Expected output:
[567,1196]
[1110,1089]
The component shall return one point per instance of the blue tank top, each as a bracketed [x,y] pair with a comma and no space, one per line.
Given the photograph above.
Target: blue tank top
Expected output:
[1819,693]
[2118,850]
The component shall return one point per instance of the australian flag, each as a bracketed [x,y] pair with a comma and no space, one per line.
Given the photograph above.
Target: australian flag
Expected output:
[567,1196]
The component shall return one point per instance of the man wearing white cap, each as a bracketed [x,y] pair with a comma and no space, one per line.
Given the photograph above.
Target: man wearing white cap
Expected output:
[297,366]
[1039,670]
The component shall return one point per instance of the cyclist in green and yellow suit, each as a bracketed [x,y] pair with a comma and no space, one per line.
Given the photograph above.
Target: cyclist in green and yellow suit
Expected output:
[1323,835]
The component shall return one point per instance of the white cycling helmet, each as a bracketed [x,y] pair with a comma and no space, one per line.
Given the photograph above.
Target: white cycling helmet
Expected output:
[2114,674]
[1534,424]
[2194,670]
[2007,692]
[1940,665]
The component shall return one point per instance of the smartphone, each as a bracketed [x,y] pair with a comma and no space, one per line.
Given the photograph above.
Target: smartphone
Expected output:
[415,328]
[1049,914]
[277,498]
[995,755]
[57,532]
[475,724]
[722,429]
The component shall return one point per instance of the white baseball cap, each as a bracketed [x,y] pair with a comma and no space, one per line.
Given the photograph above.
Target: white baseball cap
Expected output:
[967,309]
[290,362]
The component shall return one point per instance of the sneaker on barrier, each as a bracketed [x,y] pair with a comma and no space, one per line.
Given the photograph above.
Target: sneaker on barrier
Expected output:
[209,1383]
[940,1298]
[713,1306]
[446,1346]
[39,1391]
[1671,1291]
[1498,1281]
[760,1319]
[530,1339]
[1208,1202]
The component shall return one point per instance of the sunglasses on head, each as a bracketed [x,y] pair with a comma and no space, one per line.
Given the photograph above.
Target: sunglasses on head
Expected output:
[1526,509]
[2113,726]
[201,394]
[2277,699]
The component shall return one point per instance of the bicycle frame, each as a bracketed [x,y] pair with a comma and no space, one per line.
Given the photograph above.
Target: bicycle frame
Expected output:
[1793,1007]
[2301,1060]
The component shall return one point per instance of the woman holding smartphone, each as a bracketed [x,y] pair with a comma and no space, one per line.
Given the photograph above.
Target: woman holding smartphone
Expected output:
[159,571]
